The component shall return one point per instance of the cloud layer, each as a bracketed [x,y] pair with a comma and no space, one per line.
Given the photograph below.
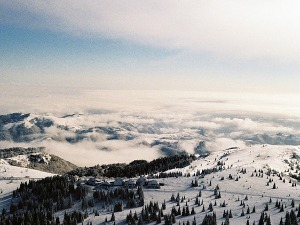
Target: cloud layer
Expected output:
[237,29]
[91,127]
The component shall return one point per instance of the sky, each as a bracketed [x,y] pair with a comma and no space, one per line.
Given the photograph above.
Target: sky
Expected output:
[236,46]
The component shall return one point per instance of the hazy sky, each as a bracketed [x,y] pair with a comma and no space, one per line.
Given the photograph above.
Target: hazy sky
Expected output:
[248,45]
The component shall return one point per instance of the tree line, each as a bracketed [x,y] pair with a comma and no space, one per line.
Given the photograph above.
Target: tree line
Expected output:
[136,167]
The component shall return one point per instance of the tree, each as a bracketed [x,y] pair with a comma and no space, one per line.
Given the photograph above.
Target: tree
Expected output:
[210,219]
[57,221]
[242,214]
[193,211]
[113,217]
[266,207]
[196,201]
[163,206]
[210,207]
[230,214]
[293,218]
[268,221]
[261,219]
[226,220]
[293,203]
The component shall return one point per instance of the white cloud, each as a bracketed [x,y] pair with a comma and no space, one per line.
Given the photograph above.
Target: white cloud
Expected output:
[176,120]
[239,29]
[203,124]
[224,143]
[252,126]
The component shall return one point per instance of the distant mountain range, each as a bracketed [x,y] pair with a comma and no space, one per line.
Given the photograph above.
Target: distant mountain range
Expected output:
[163,135]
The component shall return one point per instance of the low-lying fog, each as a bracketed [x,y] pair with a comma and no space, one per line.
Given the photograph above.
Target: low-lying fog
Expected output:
[120,126]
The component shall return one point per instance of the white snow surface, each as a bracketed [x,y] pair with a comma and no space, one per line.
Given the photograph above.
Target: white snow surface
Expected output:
[248,185]
[24,160]
[11,178]
[251,159]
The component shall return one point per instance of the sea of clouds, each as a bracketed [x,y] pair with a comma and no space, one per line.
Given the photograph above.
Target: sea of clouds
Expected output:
[128,125]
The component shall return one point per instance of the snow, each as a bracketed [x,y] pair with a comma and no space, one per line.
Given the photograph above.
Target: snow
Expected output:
[253,158]
[21,160]
[24,160]
[11,178]
[250,184]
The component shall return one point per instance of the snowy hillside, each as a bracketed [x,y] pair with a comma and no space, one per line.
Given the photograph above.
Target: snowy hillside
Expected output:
[252,177]
[101,137]
[35,158]
[11,178]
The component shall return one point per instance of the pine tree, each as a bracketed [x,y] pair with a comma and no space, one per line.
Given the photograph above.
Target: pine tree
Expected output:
[248,210]
[163,206]
[230,214]
[293,218]
[281,221]
[281,208]
[194,221]
[179,211]
[196,201]
[113,217]
[158,219]
[261,219]
[268,221]
[287,219]
[173,220]
[210,207]
[242,214]
[193,211]
[266,207]
[187,211]
[226,220]
[183,211]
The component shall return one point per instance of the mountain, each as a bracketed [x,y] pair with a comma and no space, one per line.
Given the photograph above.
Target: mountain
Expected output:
[243,185]
[35,158]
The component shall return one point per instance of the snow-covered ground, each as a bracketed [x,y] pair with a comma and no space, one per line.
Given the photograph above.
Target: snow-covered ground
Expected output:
[25,160]
[250,185]
[11,178]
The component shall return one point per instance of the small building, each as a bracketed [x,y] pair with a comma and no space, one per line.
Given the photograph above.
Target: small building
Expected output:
[118,181]
[92,181]
[141,181]
[130,184]
[153,184]
[103,184]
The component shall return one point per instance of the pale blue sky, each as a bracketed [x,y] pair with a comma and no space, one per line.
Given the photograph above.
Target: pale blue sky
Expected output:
[210,46]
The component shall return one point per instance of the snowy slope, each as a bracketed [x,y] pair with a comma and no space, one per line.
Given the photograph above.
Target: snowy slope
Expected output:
[11,177]
[252,184]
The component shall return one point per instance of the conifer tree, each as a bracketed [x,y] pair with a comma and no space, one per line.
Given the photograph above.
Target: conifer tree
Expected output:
[113,217]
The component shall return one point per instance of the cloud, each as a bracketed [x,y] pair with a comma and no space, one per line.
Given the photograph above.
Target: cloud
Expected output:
[237,29]
[250,125]
[89,153]
[203,124]
[125,125]
[224,143]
